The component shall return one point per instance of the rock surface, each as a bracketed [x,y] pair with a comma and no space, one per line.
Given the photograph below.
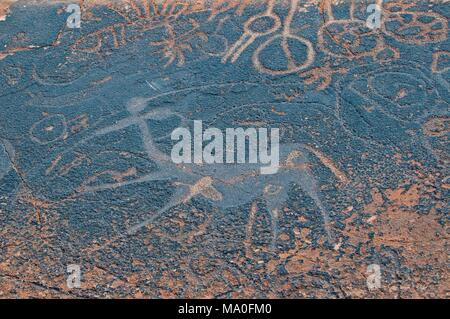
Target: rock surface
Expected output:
[364,123]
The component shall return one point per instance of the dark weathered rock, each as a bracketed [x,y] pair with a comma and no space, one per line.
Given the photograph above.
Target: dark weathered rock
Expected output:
[85,121]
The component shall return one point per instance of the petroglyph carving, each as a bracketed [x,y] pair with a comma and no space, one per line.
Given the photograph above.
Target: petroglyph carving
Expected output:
[405,24]
[265,24]
[85,170]
[214,44]
[225,186]
[436,131]
[93,42]
[220,6]
[437,126]
[441,62]
[49,129]
[399,92]
[175,45]
[139,16]
[7,156]
[285,37]
[350,38]
[323,76]
[13,74]
[251,32]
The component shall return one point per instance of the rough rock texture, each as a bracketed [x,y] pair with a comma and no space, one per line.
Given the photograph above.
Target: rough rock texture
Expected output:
[85,121]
